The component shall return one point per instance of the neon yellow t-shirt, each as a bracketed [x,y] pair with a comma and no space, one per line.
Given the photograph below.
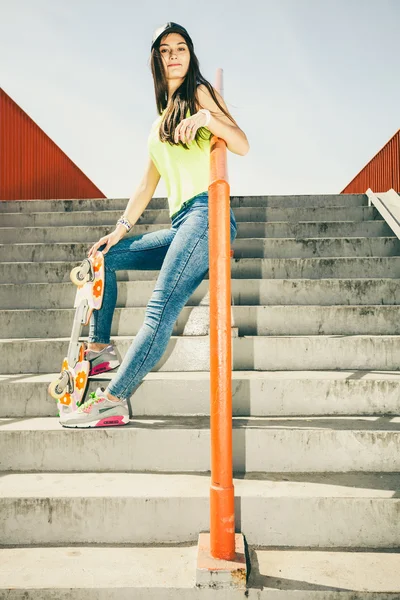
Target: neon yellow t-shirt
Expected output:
[186,172]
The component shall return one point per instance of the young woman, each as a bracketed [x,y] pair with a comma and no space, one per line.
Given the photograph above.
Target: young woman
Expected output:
[190,111]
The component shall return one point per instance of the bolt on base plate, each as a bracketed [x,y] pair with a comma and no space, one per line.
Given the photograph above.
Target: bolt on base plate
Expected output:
[217,573]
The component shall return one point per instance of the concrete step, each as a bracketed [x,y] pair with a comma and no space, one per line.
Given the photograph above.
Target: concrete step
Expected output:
[276,509]
[254,393]
[160,216]
[168,573]
[323,292]
[260,444]
[157,203]
[259,353]
[194,320]
[81,233]
[243,248]
[241,268]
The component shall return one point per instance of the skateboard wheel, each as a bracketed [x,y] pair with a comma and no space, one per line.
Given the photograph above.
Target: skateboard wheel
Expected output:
[55,391]
[76,276]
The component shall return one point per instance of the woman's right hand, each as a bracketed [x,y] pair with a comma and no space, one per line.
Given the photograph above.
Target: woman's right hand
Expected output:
[110,240]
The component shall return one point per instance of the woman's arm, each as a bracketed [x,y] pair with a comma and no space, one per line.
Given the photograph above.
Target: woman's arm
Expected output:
[142,196]
[136,205]
[220,125]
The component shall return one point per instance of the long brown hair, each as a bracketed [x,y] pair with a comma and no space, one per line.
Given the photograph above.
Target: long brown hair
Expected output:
[183,98]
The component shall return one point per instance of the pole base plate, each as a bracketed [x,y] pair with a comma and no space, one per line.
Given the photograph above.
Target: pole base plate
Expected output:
[218,573]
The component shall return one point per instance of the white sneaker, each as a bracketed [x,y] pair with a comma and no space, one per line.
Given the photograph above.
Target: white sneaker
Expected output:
[97,411]
[102,360]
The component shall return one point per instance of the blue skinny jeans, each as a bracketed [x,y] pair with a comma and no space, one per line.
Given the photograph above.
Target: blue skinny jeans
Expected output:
[181,255]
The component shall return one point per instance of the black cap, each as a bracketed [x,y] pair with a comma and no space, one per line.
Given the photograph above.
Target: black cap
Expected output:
[169,27]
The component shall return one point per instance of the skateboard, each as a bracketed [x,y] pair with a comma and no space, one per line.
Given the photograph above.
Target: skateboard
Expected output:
[70,386]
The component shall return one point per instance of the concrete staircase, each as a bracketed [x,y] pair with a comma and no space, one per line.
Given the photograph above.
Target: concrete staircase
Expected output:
[116,513]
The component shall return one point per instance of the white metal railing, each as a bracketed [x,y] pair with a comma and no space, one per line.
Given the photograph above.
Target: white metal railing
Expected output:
[388,205]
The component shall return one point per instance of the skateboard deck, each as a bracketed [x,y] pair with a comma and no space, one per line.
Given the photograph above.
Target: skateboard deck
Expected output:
[70,386]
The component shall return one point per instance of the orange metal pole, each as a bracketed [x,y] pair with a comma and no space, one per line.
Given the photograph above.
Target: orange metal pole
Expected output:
[222,496]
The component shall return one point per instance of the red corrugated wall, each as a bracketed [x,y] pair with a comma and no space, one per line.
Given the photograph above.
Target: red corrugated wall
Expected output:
[381,173]
[32,166]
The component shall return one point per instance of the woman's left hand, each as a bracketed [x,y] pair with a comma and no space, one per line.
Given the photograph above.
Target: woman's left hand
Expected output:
[186,130]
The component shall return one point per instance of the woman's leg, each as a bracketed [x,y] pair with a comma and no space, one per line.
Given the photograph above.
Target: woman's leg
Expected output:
[143,252]
[183,269]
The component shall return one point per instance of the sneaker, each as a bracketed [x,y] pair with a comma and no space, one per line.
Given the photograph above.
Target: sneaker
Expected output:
[102,361]
[97,411]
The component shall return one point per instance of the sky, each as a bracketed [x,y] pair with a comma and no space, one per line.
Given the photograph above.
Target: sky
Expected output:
[314,84]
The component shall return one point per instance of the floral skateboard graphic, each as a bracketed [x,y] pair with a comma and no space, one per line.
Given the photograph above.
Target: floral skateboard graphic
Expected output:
[70,386]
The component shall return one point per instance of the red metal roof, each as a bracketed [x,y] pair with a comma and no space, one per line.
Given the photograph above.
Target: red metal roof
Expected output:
[32,166]
[381,173]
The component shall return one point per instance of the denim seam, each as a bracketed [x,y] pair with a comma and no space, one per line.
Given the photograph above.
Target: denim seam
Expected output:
[155,248]
[140,249]
[156,330]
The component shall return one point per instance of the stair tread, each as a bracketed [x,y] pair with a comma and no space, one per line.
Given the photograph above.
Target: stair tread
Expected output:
[297,280]
[238,241]
[119,571]
[392,257]
[239,307]
[346,375]
[368,424]
[206,337]
[177,485]
[168,222]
